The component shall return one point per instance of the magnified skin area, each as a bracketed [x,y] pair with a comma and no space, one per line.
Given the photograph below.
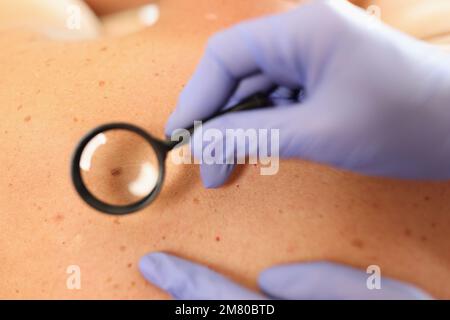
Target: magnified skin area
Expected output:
[119,167]
[52,93]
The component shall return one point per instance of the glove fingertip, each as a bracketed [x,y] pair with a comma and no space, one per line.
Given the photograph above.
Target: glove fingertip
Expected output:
[215,175]
[171,124]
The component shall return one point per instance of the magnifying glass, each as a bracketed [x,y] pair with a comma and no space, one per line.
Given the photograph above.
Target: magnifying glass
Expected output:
[119,168]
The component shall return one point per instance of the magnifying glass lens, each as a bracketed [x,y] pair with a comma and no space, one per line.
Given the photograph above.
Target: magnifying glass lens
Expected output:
[119,167]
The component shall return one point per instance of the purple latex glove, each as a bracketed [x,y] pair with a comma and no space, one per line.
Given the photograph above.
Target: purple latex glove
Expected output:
[186,280]
[376,101]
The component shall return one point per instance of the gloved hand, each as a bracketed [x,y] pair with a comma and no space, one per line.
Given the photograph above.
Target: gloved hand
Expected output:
[185,280]
[376,101]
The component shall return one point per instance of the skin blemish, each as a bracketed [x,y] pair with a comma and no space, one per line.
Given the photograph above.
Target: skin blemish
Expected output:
[163,237]
[217,238]
[75,119]
[27,119]
[58,218]
[196,201]
[426,198]
[129,265]
[104,48]
[156,74]
[291,248]
[423,239]
[357,243]
[116,221]
[280,211]
[133,284]
[116,286]
[116,172]
[19,107]
[109,279]
[122,248]
[408,232]
[237,186]
[433,225]
[101,83]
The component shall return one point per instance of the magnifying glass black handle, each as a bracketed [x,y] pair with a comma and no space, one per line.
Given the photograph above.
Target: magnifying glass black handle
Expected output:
[256,101]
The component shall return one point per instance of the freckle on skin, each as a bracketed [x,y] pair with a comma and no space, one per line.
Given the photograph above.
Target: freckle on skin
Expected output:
[109,279]
[237,186]
[116,286]
[291,248]
[129,265]
[58,217]
[217,238]
[423,238]
[163,237]
[280,211]
[196,201]
[116,221]
[358,243]
[19,107]
[101,83]
[122,248]
[75,119]
[27,119]
[433,225]
[133,283]
[408,232]
[426,198]
[104,48]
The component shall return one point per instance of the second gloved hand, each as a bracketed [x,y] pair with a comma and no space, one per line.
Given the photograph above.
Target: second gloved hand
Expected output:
[376,101]
[186,280]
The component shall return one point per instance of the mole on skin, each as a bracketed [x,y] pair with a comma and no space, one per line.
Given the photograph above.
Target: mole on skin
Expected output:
[116,172]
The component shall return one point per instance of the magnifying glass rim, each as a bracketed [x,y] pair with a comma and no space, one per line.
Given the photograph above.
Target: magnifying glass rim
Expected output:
[89,198]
